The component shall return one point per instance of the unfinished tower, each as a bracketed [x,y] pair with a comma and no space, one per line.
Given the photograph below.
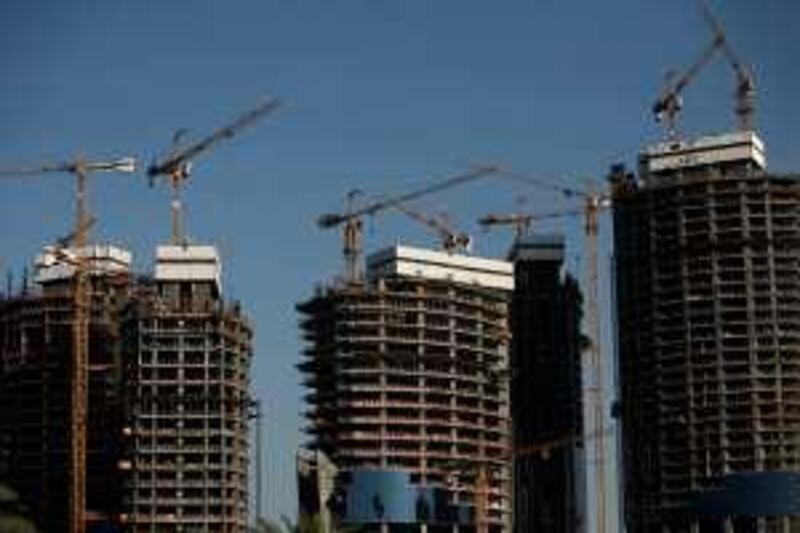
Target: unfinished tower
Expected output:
[408,391]
[35,361]
[188,358]
[708,292]
[549,476]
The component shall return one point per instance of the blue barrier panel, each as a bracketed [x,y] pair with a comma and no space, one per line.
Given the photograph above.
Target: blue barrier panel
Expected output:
[750,494]
[387,496]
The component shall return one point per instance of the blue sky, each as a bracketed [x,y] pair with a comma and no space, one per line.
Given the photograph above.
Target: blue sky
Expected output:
[378,94]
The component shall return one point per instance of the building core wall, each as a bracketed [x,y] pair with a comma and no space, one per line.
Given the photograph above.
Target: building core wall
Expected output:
[546,390]
[708,294]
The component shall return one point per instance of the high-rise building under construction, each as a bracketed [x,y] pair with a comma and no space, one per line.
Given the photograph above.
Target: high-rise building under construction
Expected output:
[169,394]
[36,327]
[707,247]
[408,392]
[187,364]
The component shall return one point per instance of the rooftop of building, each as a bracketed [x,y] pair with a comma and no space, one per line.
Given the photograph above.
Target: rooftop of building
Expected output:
[538,247]
[415,262]
[743,148]
[189,262]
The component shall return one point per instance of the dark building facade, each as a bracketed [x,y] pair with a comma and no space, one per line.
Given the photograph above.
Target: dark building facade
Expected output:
[169,398]
[35,361]
[549,486]
[707,247]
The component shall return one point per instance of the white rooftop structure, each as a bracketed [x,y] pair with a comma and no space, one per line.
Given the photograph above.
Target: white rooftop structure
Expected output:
[437,265]
[188,263]
[735,147]
[55,264]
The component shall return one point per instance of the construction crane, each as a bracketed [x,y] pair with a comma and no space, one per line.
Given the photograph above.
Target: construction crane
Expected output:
[670,103]
[351,219]
[543,449]
[592,204]
[521,222]
[79,372]
[175,167]
[745,80]
[451,241]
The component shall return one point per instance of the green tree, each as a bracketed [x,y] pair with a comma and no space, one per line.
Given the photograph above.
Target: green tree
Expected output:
[306,524]
[264,526]
[13,515]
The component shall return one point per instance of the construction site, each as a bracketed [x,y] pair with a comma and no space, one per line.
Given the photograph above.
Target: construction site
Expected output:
[168,394]
[443,390]
[705,244]
[127,401]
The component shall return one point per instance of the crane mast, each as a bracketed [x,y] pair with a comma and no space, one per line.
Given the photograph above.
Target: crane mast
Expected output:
[79,398]
[598,406]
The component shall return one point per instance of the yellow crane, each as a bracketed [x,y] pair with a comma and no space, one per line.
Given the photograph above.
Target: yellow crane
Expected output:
[351,219]
[450,240]
[669,103]
[176,166]
[592,204]
[80,168]
[521,222]
[543,449]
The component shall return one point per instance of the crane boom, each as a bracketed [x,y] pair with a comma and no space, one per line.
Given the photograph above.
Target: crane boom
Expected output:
[522,221]
[176,160]
[510,174]
[669,104]
[122,164]
[176,166]
[351,219]
[329,220]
